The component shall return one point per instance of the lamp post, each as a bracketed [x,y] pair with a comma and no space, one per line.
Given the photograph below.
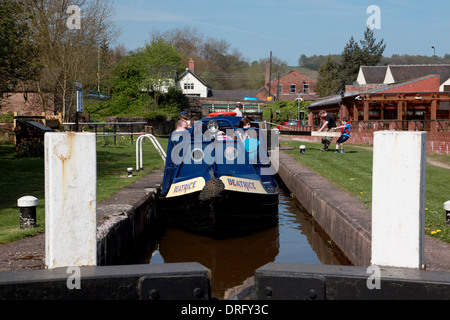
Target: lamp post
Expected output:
[298,104]
[434,50]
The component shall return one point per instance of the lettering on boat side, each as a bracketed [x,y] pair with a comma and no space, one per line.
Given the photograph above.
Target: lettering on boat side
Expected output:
[185,187]
[242,185]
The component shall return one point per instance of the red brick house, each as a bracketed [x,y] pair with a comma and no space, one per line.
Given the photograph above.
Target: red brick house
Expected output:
[289,86]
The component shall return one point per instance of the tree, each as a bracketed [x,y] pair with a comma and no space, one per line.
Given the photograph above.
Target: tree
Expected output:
[350,63]
[17,51]
[353,57]
[314,62]
[219,65]
[140,81]
[371,52]
[160,61]
[327,83]
[65,54]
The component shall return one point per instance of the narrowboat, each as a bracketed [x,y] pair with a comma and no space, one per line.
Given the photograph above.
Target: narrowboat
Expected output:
[219,179]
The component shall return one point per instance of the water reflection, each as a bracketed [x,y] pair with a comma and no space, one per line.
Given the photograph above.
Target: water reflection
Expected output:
[233,261]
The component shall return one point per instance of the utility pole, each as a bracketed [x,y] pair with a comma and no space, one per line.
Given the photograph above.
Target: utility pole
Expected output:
[98,72]
[270,71]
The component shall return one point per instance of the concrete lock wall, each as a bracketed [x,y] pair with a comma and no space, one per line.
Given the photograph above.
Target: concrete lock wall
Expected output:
[125,219]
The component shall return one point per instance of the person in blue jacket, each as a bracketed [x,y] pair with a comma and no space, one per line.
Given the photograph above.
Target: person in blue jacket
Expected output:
[345,126]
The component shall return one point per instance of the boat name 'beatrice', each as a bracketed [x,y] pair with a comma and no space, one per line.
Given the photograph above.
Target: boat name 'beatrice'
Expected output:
[241,184]
[184,187]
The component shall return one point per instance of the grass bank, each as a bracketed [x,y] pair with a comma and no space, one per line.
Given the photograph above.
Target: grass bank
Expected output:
[25,176]
[352,172]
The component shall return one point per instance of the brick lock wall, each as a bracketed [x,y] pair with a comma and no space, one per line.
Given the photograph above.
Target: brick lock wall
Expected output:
[27,103]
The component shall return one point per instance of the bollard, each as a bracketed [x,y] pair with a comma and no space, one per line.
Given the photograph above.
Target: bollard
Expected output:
[447,212]
[130,172]
[27,207]
[302,149]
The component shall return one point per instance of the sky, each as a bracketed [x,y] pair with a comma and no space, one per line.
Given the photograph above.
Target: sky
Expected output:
[290,28]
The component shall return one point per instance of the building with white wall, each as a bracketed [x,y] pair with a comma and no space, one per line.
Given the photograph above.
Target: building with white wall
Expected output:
[191,84]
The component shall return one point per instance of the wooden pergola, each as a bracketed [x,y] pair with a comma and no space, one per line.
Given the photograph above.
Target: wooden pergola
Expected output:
[386,106]
[379,106]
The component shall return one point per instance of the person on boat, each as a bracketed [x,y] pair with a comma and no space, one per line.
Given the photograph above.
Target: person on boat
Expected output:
[183,116]
[327,125]
[192,121]
[180,130]
[181,125]
[243,124]
[221,136]
[238,109]
[345,126]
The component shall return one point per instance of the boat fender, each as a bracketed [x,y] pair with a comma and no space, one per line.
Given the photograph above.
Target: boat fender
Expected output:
[212,188]
[222,114]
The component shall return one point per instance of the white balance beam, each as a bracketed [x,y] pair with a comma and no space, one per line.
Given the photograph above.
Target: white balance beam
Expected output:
[325,134]
[70,199]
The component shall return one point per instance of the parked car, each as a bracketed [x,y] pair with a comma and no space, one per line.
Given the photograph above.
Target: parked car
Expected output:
[93,94]
[293,123]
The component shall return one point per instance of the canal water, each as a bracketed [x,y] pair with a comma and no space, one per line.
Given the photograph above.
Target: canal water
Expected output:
[233,261]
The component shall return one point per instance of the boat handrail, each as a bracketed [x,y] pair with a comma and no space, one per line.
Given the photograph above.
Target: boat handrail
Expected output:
[156,144]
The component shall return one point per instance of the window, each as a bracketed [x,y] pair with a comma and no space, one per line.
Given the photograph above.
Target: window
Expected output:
[305,88]
[280,88]
[188,86]
[292,88]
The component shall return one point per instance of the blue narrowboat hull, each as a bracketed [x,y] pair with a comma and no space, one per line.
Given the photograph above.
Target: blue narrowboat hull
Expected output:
[228,213]
[218,187]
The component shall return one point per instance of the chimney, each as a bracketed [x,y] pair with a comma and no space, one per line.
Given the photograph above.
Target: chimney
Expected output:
[191,65]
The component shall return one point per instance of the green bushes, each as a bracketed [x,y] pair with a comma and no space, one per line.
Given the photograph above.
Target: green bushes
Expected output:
[282,111]
[30,149]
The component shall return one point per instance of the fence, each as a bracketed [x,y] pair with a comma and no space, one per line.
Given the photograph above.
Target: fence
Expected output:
[405,125]
[438,131]
[110,129]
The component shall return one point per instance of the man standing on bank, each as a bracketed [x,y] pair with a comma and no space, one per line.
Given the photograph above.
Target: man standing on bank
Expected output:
[328,123]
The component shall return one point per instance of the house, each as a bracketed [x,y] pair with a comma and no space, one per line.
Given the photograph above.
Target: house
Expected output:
[289,86]
[397,73]
[191,84]
[371,75]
